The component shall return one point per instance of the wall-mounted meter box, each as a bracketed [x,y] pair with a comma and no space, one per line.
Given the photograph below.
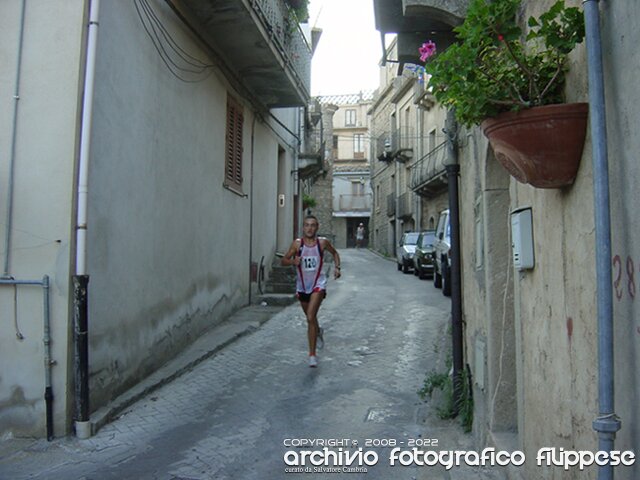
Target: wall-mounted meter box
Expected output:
[281,200]
[522,238]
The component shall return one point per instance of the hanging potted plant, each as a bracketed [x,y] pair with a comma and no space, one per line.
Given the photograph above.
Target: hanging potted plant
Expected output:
[513,85]
[308,201]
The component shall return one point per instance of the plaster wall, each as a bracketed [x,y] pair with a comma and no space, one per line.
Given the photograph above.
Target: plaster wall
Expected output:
[551,351]
[621,58]
[168,245]
[41,234]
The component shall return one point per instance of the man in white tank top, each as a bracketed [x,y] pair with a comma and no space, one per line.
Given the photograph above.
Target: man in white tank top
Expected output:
[306,254]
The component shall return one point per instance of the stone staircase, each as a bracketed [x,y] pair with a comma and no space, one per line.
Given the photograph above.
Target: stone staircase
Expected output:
[280,288]
[282,279]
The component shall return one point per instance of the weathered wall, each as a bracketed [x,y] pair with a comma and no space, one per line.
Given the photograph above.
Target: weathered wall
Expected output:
[551,348]
[169,248]
[168,245]
[42,202]
[622,66]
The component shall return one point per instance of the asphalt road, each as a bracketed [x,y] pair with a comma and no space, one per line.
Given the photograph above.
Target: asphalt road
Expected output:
[231,415]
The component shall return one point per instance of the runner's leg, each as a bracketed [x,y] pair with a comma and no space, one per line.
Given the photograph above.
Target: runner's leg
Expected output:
[312,319]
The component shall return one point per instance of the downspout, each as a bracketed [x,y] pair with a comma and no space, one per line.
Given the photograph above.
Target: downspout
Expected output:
[453,173]
[253,128]
[81,279]
[12,155]
[607,423]
[48,389]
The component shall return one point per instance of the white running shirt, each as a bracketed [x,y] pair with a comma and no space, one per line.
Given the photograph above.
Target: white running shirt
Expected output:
[311,277]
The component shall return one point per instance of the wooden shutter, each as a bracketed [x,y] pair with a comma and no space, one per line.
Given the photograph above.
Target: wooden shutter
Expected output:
[233,144]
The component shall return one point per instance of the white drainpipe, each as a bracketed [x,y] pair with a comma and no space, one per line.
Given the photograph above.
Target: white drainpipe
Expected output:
[81,279]
[85,141]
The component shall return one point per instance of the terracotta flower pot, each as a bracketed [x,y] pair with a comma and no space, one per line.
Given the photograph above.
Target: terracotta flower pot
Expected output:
[541,146]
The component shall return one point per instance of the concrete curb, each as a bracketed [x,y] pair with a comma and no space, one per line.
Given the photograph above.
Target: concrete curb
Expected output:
[243,322]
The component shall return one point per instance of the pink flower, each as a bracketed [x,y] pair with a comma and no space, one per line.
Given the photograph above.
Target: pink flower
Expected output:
[427,50]
[501,38]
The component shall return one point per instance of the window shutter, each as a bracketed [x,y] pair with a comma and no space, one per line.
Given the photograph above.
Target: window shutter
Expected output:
[233,144]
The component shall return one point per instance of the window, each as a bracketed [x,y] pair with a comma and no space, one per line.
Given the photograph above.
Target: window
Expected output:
[358,145]
[350,118]
[357,188]
[233,145]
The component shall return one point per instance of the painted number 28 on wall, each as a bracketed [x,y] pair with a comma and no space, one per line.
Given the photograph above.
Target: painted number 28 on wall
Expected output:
[624,280]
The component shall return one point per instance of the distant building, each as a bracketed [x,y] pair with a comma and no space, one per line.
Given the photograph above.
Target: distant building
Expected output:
[344,195]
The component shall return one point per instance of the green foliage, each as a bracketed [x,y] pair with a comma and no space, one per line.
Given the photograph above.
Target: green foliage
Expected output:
[300,9]
[308,201]
[448,408]
[496,68]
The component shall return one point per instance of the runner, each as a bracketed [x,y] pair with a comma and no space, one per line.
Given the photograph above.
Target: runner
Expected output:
[306,254]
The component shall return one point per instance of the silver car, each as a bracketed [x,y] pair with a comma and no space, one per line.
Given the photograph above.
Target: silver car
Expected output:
[406,250]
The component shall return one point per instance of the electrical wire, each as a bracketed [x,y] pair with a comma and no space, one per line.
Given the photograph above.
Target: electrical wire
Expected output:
[163,41]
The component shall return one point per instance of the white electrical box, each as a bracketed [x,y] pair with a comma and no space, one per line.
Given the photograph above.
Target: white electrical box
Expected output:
[281,200]
[522,238]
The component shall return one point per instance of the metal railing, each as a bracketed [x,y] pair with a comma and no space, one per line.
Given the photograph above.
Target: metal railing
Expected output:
[429,166]
[353,203]
[288,37]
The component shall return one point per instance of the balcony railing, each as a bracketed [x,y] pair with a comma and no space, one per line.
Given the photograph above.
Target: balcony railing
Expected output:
[260,42]
[402,138]
[352,203]
[428,174]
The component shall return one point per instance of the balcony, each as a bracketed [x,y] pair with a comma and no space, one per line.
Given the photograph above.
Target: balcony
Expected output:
[402,141]
[428,176]
[346,204]
[416,21]
[383,147]
[259,43]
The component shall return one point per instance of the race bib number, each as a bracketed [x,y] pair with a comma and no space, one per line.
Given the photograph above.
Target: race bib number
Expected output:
[309,263]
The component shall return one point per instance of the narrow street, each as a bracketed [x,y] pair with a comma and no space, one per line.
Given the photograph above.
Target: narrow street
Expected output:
[231,415]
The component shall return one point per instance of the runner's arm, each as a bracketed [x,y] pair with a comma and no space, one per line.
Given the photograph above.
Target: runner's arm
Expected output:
[336,258]
[291,257]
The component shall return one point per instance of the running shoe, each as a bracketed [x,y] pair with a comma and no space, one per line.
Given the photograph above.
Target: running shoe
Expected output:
[313,361]
[320,339]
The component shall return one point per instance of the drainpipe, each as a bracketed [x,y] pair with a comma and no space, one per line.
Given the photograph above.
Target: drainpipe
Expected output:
[453,173]
[48,389]
[253,135]
[81,279]
[12,156]
[607,423]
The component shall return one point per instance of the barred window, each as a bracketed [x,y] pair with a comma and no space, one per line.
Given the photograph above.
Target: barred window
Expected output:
[233,145]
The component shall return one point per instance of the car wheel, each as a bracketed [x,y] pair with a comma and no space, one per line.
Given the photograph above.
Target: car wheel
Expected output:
[446,281]
[437,279]
[421,274]
[399,266]
[416,272]
[405,267]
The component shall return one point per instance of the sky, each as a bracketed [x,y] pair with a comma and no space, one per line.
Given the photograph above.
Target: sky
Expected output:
[346,59]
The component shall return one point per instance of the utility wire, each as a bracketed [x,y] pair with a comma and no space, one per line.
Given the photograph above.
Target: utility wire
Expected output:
[156,32]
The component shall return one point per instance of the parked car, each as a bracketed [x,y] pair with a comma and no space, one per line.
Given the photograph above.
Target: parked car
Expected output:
[423,258]
[406,249]
[442,254]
